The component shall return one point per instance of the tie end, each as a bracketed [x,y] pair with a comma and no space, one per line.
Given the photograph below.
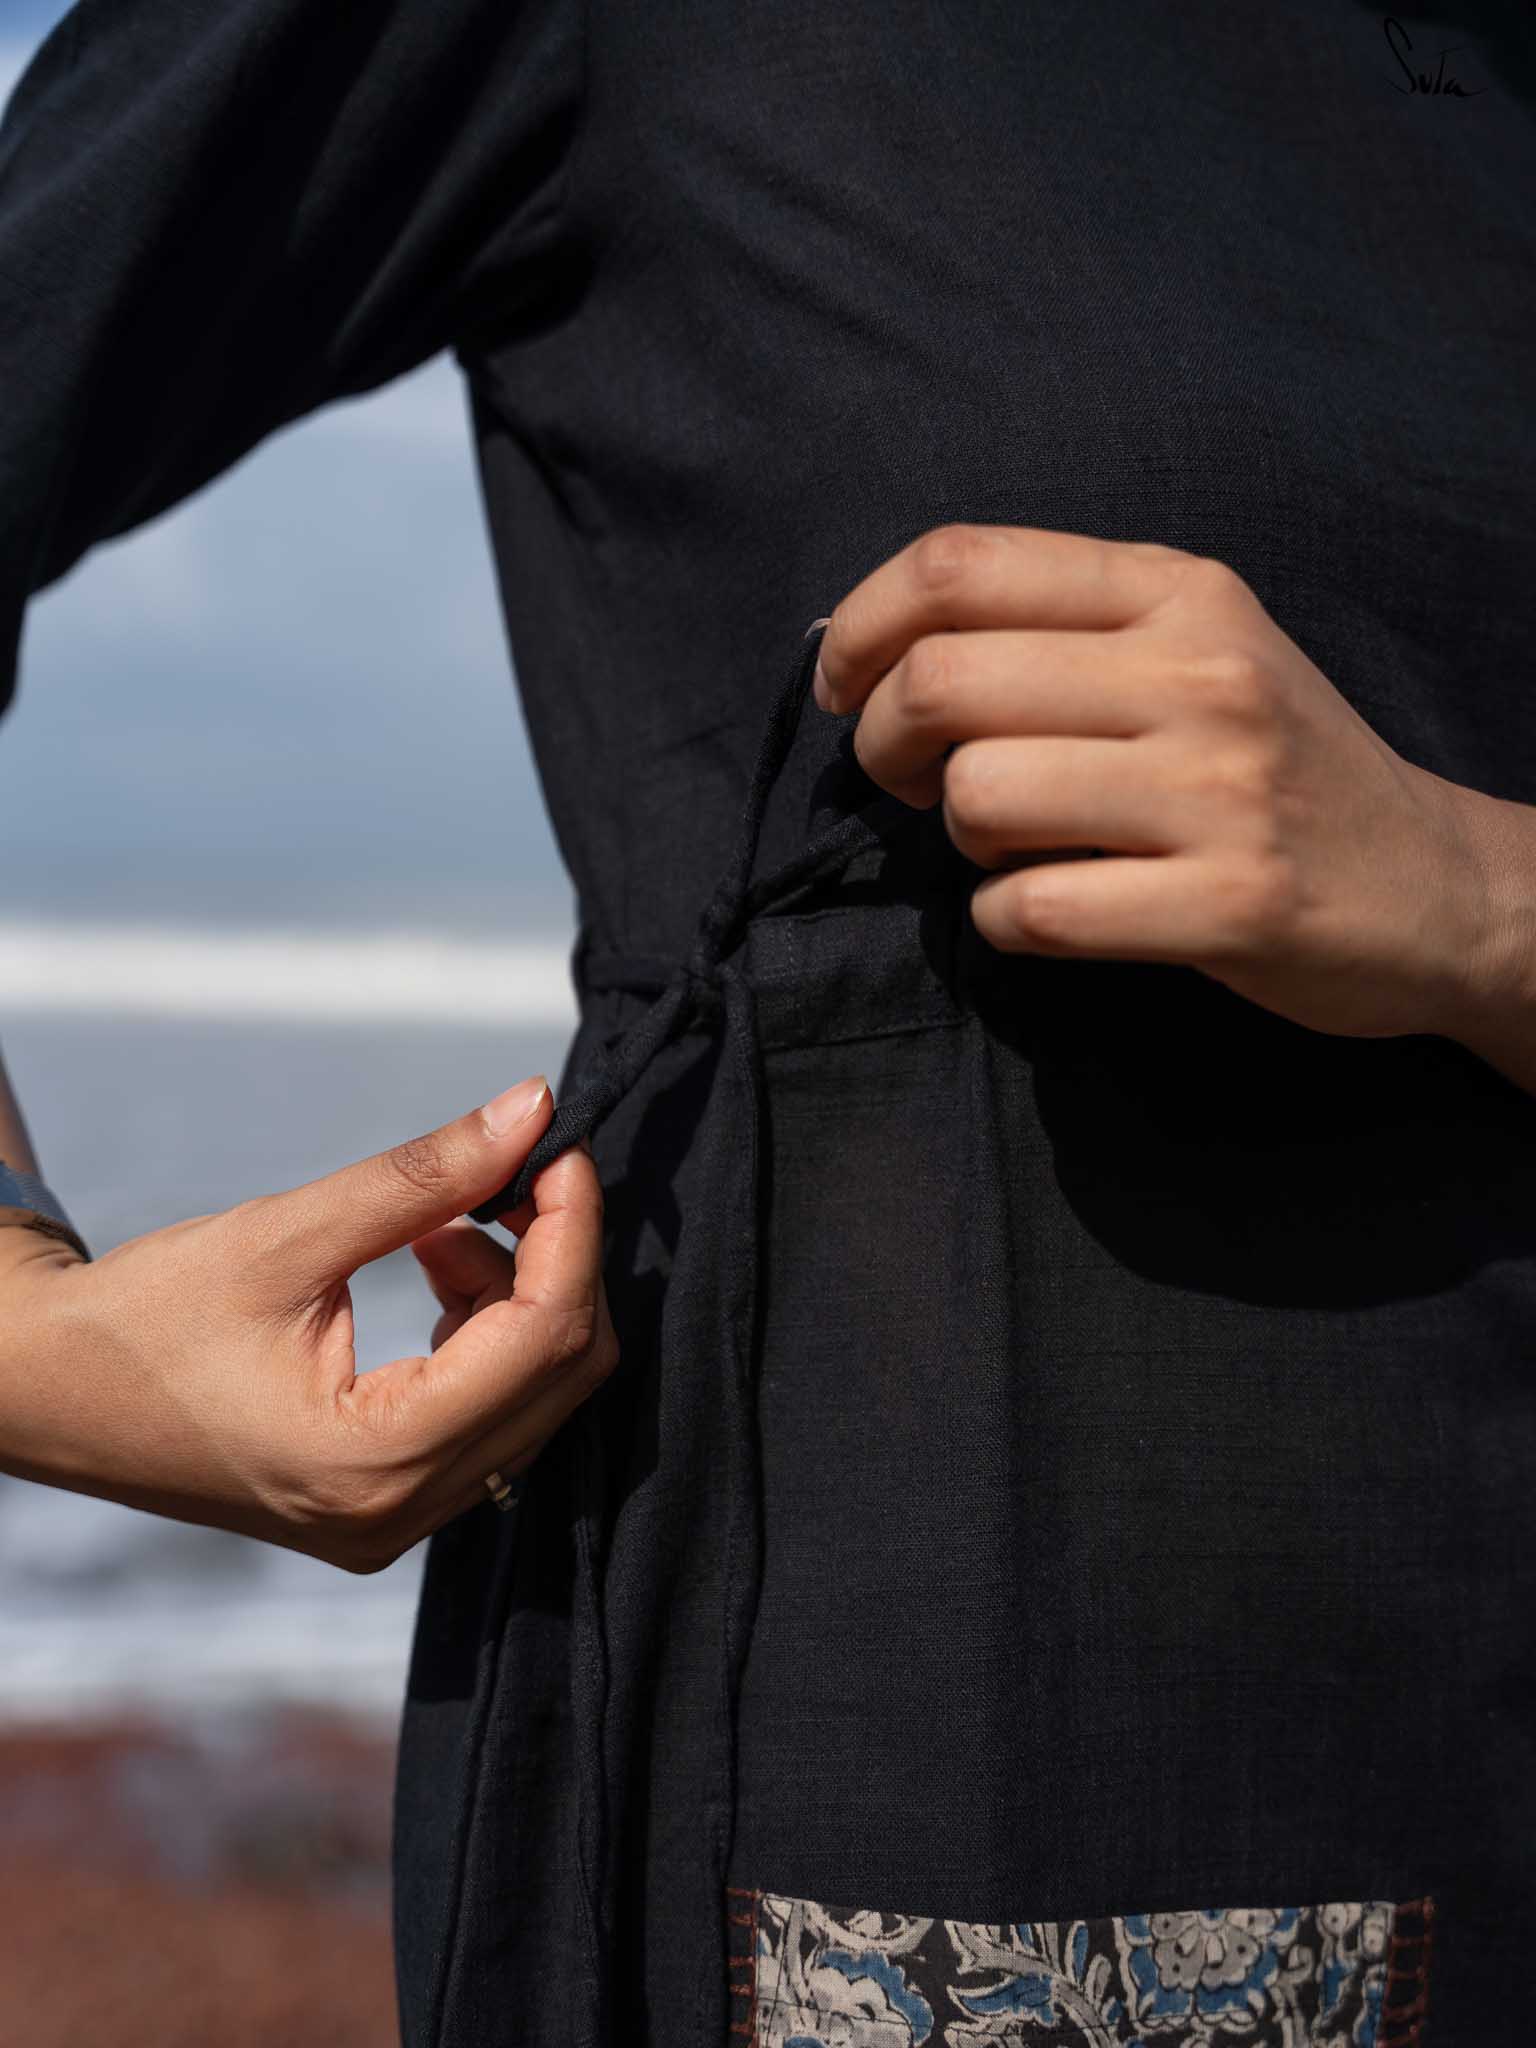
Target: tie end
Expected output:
[500,1204]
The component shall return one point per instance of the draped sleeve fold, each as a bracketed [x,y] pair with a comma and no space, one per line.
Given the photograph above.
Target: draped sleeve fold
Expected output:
[219,215]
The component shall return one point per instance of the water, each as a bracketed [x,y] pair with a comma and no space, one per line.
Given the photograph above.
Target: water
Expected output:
[141,1120]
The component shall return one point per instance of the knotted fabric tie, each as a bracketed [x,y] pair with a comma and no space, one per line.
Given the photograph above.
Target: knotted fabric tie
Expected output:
[708,984]
[707,979]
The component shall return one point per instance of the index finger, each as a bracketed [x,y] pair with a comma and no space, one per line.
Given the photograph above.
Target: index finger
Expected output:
[507,1354]
[560,1254]
[970,577]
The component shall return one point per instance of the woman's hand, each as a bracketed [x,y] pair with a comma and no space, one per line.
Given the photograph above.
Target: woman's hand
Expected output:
[207,1371]
[1061,694]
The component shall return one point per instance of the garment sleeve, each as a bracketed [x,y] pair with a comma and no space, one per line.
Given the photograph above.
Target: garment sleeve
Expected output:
[218,215]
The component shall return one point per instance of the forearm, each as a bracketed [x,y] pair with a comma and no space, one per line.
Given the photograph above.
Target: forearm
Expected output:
[1497,1018]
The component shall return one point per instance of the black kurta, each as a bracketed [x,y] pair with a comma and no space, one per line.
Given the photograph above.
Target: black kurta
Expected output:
[1073,1460]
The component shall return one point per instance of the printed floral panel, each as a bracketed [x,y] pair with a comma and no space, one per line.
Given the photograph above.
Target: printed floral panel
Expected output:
[1227,1977]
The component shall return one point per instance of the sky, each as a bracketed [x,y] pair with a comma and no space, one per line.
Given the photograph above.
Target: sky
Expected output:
[288,703]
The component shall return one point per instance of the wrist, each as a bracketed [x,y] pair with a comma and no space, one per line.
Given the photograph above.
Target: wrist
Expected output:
[47,1232]
[45,1366]
[1491,1003]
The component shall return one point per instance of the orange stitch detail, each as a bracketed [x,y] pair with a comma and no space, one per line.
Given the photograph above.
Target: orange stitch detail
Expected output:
[741,1964]
[1402,2022]
[757,1901]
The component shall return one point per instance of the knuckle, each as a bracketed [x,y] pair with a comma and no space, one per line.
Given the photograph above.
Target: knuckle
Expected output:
[1231,682]
[1039,915]
[1211,581]
[575,1336]
[1256,901]
[420,1164]
[1245,778]
[943,557]
[503,1321]
[1182,575]
[967,785]
[259,1228]
[928,679]
[1160,551]
[585,1346]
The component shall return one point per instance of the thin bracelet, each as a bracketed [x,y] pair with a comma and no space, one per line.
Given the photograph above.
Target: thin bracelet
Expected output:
[46,1226]
[35,1206]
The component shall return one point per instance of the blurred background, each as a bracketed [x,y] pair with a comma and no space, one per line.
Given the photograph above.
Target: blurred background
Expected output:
[277,889]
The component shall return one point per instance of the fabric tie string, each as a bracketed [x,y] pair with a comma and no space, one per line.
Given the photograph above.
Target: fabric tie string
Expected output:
[707,978]
[705,987]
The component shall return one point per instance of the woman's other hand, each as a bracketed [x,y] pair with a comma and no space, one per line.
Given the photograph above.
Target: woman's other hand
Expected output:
[207,1371]
[1061,694]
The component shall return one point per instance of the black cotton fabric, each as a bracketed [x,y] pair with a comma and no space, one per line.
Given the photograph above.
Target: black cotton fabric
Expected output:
[1073,1454]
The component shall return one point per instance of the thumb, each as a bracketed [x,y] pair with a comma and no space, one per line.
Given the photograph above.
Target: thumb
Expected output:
[327,1228]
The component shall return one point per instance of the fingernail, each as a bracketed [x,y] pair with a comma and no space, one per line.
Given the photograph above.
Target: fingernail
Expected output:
[819,688]
[515,1106]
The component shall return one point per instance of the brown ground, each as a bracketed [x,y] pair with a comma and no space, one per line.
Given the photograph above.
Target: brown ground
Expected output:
[225,1888]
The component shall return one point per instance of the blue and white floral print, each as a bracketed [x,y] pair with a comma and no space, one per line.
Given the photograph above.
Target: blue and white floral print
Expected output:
[1270,1977]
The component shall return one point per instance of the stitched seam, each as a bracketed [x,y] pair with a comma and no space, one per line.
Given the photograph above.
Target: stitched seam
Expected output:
[1404,2012]
[744,2023]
